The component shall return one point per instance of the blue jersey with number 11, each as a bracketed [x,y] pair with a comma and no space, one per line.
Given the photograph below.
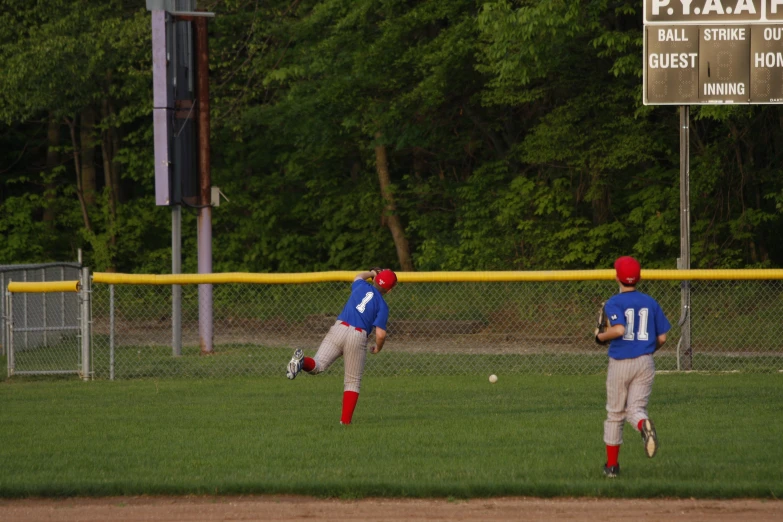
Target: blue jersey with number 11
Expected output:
[643,319]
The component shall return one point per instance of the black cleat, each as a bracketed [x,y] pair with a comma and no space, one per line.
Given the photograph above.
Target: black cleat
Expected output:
[650,438]
[611,471]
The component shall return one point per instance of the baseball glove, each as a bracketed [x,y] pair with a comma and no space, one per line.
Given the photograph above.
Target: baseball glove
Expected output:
[375,269]
[602,324]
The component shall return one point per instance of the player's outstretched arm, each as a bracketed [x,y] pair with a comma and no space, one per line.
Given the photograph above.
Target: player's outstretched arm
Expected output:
[380,338]
[369,274]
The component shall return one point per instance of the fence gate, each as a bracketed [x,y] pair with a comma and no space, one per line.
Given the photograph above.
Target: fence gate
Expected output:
[39,344]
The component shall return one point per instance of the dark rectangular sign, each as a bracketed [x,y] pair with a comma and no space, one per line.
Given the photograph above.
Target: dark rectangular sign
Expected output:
[713,51]
[766,62]
[704,64]
[724,64]
[672,64]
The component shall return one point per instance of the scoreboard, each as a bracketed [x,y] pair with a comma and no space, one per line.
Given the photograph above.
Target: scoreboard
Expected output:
[713,51]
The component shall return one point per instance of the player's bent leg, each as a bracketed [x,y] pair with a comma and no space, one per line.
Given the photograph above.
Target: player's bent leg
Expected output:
[321,363]
[331,348]
[639,390]
[639,393]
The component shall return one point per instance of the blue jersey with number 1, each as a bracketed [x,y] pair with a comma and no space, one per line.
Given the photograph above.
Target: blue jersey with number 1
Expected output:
[643,319]
[365,308]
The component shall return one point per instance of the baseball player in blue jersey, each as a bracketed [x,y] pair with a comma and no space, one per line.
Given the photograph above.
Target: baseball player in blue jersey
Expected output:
[637,329]
[365,310]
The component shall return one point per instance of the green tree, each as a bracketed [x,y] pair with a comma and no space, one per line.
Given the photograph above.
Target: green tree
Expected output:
[84,68]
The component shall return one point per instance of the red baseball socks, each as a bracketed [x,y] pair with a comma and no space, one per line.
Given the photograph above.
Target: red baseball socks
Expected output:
[349,404]
[612,455]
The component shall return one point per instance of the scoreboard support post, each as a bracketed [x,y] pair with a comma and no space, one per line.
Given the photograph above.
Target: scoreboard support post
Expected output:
[684,352]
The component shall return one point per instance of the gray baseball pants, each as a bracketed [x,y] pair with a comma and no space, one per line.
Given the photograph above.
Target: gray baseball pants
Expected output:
[628,388]
[352,345]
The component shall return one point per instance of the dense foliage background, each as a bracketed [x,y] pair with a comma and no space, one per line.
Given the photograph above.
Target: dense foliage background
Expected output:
[427,135]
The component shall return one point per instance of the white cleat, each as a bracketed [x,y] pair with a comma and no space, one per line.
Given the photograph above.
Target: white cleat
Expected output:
[295,365]
[650,438]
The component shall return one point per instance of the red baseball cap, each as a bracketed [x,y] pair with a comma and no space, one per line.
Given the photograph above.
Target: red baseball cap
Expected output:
[628,269]
[386,279]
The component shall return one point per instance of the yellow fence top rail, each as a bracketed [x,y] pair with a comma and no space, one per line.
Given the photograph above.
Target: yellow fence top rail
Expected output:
[434,277]
[44,287]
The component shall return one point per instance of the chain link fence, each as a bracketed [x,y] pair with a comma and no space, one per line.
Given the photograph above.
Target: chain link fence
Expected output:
[60,348]
[434,328]
[43,318]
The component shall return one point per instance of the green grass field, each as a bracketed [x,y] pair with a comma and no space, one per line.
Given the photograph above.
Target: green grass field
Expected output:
[250,360]
[412,437]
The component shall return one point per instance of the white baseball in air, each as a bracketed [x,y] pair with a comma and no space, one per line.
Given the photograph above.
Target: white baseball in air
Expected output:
[493,378]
